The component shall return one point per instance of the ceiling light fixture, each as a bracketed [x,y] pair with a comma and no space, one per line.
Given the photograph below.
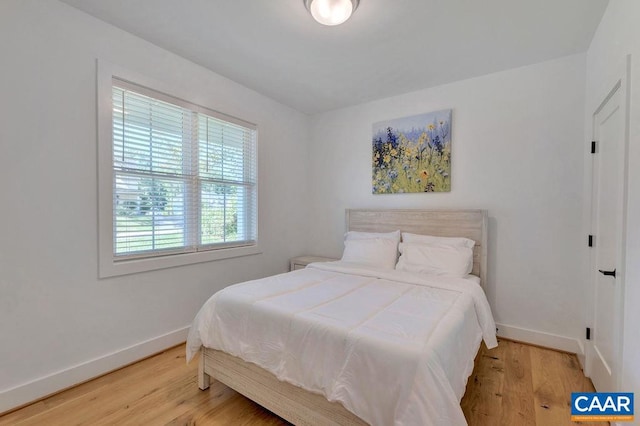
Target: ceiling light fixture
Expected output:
[331,12]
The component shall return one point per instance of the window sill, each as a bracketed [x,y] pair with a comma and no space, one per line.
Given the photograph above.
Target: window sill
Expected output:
[110,268]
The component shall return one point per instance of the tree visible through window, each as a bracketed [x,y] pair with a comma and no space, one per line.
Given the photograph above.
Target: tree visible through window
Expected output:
[184,180]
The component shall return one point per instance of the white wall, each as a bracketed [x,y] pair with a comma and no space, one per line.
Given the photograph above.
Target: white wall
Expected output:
[58,322]
[517,151]
[617,36]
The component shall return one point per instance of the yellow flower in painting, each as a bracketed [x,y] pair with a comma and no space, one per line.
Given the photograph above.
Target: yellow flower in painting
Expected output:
[424,174]
[387,158]
[394,152]
[432,127]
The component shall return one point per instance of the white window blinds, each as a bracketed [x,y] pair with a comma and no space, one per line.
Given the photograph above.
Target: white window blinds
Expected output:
[184,176]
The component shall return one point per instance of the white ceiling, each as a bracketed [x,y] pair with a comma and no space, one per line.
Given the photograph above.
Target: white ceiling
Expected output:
[386,48]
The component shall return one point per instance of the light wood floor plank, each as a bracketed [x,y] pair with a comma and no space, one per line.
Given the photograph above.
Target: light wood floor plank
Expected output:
[518,399]
[122,396]
[518,384]
[129,376]
[555,376]
[483,399]
[512,385]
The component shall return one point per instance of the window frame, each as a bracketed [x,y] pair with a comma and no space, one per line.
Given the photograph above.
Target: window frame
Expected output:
[108,265]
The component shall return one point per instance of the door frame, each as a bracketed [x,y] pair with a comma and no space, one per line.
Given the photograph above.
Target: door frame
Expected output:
[620,81]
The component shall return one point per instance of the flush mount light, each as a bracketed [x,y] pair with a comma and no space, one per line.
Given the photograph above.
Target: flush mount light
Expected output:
[331,12]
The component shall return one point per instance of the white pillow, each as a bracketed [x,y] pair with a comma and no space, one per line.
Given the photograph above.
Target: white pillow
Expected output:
[435,260]
[357,235]
[437,241]
[380,253]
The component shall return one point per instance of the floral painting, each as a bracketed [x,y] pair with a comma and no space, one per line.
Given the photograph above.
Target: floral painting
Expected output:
[413,154]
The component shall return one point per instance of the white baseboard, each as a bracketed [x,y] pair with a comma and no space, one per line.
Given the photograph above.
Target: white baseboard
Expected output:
[47,385]
[548,340]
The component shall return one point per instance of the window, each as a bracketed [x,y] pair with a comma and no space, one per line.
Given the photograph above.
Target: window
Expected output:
[183,182]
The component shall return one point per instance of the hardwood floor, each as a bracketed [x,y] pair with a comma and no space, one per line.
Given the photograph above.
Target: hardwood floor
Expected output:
[518,384]
[513,384]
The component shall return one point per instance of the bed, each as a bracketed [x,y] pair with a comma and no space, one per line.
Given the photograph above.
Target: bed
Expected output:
[338,343]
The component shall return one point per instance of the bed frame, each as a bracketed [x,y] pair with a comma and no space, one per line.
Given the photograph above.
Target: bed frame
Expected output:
[297,405]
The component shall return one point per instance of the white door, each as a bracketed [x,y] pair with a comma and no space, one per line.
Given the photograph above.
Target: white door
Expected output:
[609,124]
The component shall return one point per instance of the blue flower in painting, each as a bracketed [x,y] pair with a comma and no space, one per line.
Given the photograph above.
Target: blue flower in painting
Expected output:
[392,138]
[437,144]
[393,174]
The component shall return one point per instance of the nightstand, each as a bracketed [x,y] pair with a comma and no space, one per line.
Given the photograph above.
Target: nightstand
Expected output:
[301,262]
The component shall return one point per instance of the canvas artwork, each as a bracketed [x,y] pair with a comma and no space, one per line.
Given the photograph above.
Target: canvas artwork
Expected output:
[413,154]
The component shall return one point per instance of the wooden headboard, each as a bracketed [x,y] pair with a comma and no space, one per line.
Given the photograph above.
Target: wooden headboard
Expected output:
[470,224]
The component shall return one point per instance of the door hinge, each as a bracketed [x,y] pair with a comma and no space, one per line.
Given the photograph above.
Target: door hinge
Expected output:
[590,241]
[593,147]
[588,333]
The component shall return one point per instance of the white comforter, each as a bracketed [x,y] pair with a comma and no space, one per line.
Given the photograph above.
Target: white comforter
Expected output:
[392,347]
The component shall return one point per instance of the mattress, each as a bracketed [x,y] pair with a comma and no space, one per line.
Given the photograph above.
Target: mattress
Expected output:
[393,347]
